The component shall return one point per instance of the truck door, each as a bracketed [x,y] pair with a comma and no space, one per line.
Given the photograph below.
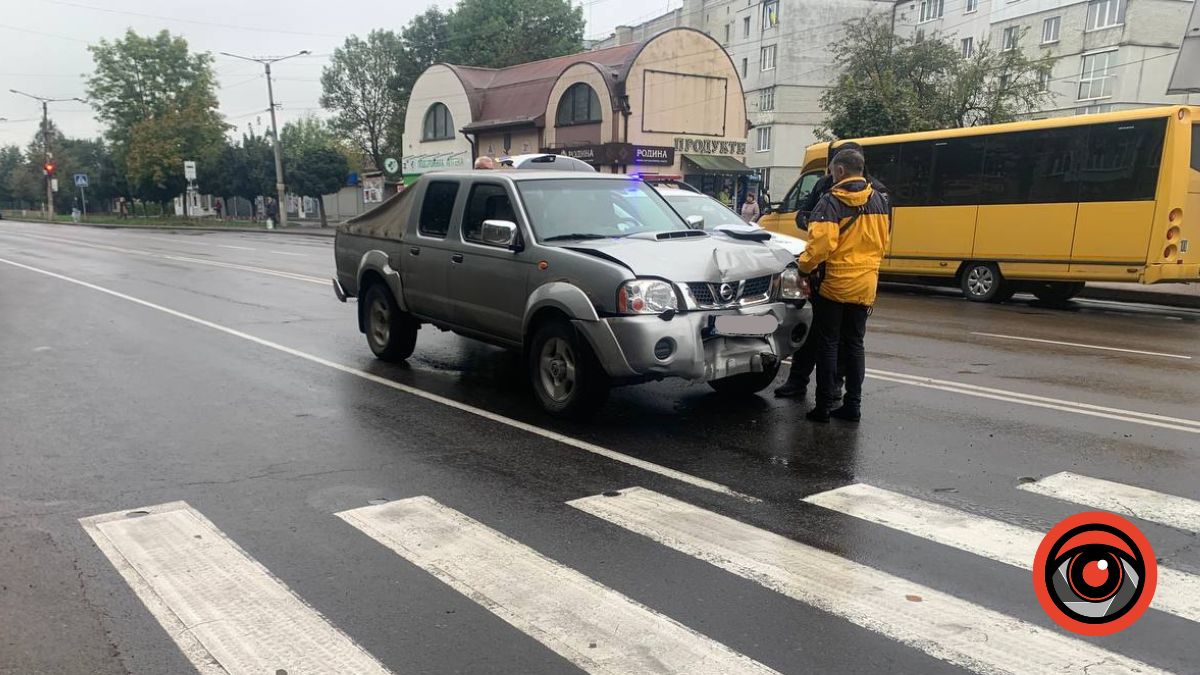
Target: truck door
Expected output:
[425,256]
[489,283]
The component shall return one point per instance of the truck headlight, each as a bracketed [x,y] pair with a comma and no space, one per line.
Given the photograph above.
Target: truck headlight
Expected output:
[790,287]
[646,296]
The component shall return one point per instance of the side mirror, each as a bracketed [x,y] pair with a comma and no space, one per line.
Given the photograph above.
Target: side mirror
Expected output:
[499,233]
[695,222]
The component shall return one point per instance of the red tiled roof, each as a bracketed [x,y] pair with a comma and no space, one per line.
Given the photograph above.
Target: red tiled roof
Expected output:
[518,94]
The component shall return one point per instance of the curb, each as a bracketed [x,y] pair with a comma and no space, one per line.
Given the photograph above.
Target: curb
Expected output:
[310,232]
[1144,297]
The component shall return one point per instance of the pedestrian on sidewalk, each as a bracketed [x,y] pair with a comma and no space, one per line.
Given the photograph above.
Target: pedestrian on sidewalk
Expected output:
[272,210]
[848,233]
[749,212]
[485,162]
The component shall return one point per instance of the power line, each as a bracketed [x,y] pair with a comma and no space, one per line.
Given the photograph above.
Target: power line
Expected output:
[257,29]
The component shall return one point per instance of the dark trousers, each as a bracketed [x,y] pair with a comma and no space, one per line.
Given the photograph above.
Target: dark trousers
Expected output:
[840,329]
[804,361]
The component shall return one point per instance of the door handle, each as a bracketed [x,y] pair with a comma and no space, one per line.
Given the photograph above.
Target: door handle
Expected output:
[456,258]
[414,251]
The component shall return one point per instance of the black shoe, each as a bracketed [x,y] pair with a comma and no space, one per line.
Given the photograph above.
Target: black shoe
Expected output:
[790,390]
[818,415]
[847,414]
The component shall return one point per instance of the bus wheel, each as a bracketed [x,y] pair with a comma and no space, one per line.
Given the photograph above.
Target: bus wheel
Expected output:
[982,282]
[1057,292]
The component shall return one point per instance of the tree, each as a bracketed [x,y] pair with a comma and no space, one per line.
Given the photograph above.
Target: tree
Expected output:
[500,33]
[888,84]
[426,38]
[315,171]
[363,85]
[244,169]
[19,179]
[159,103]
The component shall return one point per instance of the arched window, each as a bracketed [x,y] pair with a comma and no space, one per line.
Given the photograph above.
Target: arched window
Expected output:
[578,105]
[439,126]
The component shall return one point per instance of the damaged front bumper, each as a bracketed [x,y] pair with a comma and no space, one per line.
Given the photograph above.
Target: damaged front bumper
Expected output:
[693,345]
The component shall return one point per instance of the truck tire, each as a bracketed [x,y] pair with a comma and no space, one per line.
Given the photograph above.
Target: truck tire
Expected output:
[567,378]
[1057,292]
[391,332]
[745,384]
[982,282]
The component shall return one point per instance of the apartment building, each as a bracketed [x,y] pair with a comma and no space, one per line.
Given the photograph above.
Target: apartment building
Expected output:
[1107,54]
[780,49]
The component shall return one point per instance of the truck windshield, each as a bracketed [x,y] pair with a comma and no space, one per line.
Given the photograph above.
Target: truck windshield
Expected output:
[567,208]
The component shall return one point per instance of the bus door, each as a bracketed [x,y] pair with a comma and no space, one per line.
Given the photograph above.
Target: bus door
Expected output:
[782,219]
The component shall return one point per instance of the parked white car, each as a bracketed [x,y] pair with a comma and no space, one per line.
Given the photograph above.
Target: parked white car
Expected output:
[720,219]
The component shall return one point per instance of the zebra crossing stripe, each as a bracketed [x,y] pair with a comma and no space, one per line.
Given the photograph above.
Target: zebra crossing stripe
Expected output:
[939,624]
[224,610]
[1178,592]
[1127,500]
[589,624]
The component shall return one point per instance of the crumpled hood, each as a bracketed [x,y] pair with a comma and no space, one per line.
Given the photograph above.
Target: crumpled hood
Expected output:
[712,259]
[852,191]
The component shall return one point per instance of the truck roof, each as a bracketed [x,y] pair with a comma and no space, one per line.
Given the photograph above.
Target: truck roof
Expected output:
[519,175]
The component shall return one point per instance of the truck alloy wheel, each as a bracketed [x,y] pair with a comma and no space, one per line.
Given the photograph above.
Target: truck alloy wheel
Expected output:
[391,332]
[566,376]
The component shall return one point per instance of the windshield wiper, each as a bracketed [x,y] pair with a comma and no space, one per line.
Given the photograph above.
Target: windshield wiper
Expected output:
[576,235]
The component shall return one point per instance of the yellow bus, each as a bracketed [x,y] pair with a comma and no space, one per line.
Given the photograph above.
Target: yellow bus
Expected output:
[1040,205]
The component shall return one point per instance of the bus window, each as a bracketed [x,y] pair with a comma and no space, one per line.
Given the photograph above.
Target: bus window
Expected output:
[883,162]
[957,171]
[1122,161]
[1005,161]
[1053,171]
[911,185]
[1196,147]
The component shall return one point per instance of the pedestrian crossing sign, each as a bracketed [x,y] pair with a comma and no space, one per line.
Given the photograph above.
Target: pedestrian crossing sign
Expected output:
[81,180]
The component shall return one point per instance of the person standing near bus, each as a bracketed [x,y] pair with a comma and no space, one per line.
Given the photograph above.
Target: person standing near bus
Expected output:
[848,234]
[804,361]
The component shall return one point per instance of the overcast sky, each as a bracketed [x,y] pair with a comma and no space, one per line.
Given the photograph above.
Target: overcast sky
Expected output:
[43,48]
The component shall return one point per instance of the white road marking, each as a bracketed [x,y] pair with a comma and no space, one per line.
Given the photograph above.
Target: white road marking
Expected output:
[1133,416]
[298,255]
[589,624]
[240,248]
[1178,592]
[480,412]
[1081,345]
[294,276]
[1127,500]
[937,623]
[225,611]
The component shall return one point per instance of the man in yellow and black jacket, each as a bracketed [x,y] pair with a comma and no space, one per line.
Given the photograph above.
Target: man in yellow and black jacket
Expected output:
[847,236]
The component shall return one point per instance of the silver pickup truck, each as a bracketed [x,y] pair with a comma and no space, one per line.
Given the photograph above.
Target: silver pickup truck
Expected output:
[594,277]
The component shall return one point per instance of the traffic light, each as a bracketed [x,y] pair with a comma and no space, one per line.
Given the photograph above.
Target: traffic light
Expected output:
[48,167]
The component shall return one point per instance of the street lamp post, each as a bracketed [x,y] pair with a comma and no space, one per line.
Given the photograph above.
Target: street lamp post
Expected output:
[47,165]
[280,188]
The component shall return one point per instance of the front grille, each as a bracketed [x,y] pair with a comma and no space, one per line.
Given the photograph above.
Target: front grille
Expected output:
[744,292]
[702,293]
[756,286]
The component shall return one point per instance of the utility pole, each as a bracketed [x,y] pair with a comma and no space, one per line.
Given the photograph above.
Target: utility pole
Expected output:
[280,188]
[48,160]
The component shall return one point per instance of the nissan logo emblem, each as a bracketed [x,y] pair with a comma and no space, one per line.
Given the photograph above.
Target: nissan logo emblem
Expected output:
[726,292]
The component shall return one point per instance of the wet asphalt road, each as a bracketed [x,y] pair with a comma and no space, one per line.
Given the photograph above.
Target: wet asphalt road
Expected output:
[107,405]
